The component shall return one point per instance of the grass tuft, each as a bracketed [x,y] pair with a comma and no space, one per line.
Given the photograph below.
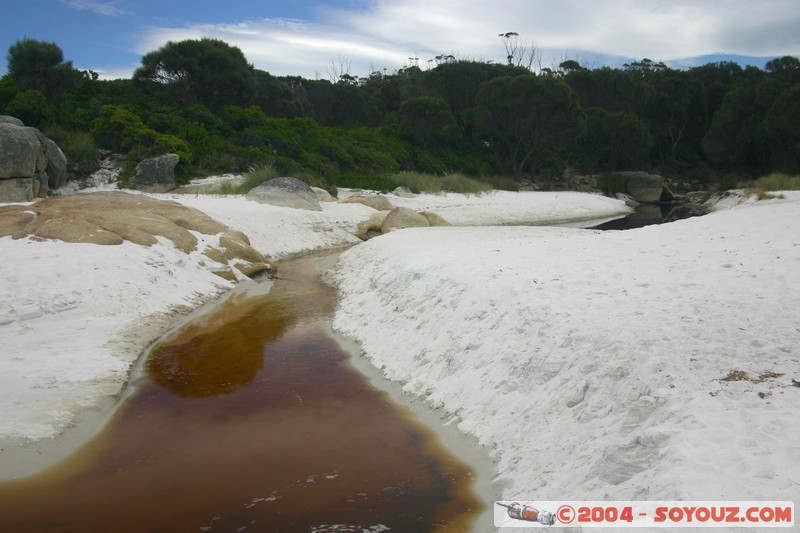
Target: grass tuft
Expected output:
[419,182]
[254,177]
[777,181]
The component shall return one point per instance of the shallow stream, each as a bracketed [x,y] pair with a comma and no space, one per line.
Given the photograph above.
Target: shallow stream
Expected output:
[249,418]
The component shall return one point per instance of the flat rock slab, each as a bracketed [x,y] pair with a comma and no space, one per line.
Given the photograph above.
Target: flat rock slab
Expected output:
[110,218]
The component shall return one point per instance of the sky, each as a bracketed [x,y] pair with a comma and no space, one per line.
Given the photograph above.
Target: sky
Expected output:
[321,38]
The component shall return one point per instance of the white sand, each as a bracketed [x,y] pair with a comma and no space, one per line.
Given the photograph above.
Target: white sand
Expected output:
[591,363]
[588,363]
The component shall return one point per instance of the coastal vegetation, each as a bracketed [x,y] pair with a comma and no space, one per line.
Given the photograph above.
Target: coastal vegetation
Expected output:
[459,125]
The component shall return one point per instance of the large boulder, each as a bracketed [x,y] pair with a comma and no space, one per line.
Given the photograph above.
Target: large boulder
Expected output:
[434,219]
[397,218]
[323,195]
[56,168]
[403,217]
[110,218]
[22,160]
[372,227]
[156,174]
[6,119]
[375,201]
[646,188]
[286,192]
[33,162]
[403,192]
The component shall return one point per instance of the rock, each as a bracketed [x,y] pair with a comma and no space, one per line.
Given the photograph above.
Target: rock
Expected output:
[33,161]
[110,218]
[397,218]
[21,152]
[375,201]
[286,192]
[403,192]
[55,162]
[628,199]
[6,119]
[646,188]
[371,227]
[403,217]
[156,174]
[323,195]
[434,219]
[56,168]
[16,190]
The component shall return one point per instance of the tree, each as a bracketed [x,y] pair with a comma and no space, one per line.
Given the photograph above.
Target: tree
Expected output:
[612,141]
[786,69]
[611,89]
[40,66]
[458,83]
[30,107]
[645,67]
[717,78]
[528,118]
[737,138]
[274,96]
[205,71]
[782,129]
[8,90]
[520,54]
[336,104]
[426,115]
[676,114]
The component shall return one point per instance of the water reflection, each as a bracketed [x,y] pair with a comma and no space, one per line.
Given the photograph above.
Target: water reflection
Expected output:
[647,215]
[293,440]
[219,353]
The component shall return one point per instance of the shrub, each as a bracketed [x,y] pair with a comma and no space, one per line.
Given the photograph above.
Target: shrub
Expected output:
[30,107]
[419,182]
[120,129]
[776,181]
[463,184]
[78,147]
[363,180]
[501,183]
[611,184]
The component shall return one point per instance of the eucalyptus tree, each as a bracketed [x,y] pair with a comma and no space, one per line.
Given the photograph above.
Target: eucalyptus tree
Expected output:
[39,66]
[426,116]
[206,71]
[528,118]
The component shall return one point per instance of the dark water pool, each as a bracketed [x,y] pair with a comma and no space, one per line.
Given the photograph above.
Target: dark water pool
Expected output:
[250,419]
[646,215]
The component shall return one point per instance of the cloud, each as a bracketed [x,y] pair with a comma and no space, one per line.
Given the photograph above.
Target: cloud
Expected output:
[112,73]
[385,33]
[95,6]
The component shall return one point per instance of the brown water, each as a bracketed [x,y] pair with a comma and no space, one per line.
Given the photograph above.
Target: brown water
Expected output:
[250,419]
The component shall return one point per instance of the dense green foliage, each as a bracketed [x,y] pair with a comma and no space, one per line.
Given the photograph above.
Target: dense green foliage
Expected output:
[203,100]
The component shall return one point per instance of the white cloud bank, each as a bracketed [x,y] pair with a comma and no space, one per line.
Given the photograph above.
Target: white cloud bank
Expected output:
[386,33]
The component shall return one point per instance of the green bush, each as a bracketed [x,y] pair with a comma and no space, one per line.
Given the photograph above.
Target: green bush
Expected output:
[30,107]
[463,184]
[611,184]
[118,128]
[419,182]
[501,183]
[78,147]
[363,180]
